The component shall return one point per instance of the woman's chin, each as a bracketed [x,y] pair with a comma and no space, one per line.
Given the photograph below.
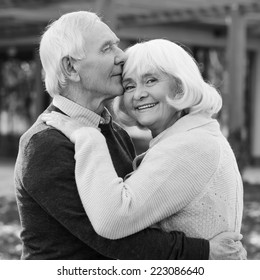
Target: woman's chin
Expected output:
[143,124]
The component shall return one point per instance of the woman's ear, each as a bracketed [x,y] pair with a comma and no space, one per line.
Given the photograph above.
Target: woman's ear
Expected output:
[178,90]
[68,68]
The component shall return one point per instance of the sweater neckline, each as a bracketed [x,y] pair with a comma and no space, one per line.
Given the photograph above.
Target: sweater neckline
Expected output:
[185,123]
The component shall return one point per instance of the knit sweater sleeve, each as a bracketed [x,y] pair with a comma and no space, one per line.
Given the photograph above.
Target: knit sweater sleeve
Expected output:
[170,176]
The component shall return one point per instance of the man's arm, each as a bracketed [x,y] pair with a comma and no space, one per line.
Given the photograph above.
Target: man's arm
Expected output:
[52,163]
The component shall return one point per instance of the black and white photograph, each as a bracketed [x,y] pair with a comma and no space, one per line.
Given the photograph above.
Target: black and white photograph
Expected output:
[129,130]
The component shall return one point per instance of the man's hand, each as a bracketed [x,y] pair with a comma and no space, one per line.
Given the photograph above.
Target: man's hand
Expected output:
[227,246]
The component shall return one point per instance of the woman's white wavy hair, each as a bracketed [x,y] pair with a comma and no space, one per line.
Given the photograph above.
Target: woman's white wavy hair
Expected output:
[192,92]
[64,37]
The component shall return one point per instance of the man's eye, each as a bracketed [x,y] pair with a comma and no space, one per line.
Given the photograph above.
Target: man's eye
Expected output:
[107,48]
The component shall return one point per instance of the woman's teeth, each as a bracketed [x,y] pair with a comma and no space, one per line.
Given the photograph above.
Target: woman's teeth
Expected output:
[146,106]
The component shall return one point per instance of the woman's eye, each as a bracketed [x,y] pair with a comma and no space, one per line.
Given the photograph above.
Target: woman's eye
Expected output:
[151,81]
[128,88]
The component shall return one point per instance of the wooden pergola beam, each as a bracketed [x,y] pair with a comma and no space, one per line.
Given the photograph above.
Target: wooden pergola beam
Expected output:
[255,113]
[20,42]
[202,13]
[192,36]
[236,60]
[44,13]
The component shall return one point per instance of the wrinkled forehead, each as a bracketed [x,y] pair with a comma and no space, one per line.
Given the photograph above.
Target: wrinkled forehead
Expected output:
[139,68]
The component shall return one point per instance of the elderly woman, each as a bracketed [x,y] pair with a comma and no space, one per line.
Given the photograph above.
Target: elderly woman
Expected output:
[188,180]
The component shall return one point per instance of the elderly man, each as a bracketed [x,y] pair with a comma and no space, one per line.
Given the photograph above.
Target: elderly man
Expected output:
[83,66]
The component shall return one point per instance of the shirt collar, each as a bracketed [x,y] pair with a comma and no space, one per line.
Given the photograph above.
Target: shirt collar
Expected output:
[84,115]
[186,123]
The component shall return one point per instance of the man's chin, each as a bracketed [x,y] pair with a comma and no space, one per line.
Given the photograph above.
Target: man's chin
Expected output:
[113,94]
[119,91]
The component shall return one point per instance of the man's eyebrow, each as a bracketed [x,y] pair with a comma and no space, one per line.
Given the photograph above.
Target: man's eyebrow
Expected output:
[110,42]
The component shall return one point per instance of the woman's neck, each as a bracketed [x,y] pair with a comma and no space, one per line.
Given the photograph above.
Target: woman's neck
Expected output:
[156,131]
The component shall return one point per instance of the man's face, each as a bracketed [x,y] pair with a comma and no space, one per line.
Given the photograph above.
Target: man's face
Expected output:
[100,71]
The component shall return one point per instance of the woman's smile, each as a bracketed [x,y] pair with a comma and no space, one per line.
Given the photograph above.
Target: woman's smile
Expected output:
[145,107]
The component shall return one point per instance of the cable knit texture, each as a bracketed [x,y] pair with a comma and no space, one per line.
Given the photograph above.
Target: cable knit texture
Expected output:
[188,180]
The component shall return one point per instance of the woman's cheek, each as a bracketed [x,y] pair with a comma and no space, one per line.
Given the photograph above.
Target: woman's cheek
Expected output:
[127,102]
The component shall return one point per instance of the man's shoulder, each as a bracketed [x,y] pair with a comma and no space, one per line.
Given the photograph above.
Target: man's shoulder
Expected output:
[42,145]
[37,127]
[41,135]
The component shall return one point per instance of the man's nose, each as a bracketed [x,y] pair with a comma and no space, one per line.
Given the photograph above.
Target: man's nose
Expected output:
[120,57]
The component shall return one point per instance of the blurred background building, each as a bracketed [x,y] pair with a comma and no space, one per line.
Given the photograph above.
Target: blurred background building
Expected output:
[222,35]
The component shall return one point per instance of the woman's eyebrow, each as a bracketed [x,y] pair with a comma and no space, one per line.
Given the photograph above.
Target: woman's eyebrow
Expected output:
[127,80]
[147,74]
[143,76]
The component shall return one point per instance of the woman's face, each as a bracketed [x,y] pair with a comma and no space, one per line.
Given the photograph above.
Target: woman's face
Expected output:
[145,99]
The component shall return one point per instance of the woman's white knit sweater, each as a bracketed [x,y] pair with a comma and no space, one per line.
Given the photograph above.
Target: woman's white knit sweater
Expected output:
[188,181]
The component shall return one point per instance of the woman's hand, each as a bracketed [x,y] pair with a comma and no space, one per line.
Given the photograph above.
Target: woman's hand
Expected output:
[65,124]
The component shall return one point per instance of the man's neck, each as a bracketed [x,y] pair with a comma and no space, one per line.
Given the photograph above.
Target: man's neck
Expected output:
[86,100]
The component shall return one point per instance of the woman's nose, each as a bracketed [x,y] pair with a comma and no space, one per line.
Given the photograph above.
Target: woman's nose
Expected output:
[140,94]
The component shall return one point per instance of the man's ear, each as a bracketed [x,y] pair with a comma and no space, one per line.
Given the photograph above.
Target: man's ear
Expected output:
[69,69]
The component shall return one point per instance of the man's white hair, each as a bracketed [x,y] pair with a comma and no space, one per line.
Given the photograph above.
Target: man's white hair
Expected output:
[192,92]
[64,37]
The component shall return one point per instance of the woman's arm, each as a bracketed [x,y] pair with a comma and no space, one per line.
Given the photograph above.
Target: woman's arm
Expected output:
[169,177]
[172,173]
